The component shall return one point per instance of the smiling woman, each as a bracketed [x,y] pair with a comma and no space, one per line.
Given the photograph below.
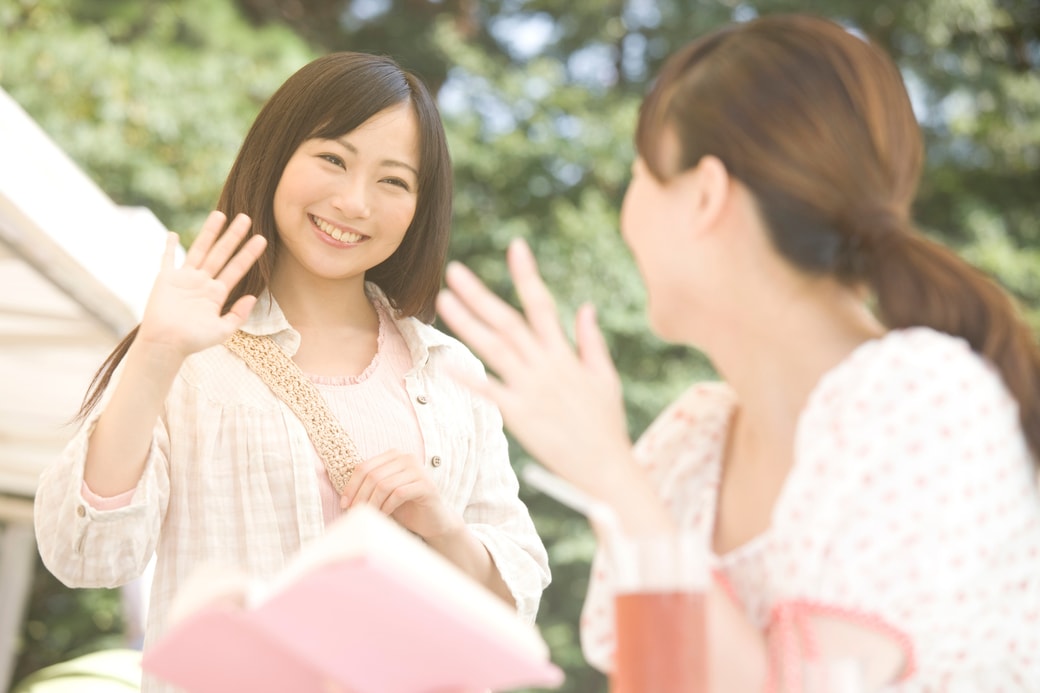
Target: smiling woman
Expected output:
[355,194]
[339,205]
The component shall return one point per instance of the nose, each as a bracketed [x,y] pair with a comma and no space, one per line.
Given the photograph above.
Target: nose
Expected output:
[352,198]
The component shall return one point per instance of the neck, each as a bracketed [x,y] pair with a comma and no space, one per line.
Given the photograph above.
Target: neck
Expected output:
[313,303]
[776,355]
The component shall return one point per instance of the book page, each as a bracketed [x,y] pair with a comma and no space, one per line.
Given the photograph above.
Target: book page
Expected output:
[365,533]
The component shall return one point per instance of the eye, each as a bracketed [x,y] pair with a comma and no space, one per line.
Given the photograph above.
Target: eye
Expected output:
[333,159]
[399,182]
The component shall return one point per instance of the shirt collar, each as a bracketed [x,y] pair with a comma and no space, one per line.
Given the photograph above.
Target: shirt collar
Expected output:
[267,319]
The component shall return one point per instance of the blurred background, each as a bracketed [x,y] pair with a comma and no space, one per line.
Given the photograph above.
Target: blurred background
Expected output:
[152,98]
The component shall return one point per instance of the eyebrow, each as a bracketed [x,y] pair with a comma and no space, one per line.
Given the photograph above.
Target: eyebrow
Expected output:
[385,162]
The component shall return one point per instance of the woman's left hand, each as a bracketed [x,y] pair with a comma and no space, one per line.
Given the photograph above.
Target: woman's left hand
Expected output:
[396,484]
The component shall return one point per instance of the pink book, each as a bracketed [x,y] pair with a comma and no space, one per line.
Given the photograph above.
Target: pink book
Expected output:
[367,608]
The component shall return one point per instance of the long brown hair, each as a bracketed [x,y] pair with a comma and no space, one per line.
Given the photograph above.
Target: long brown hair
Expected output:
[817,123]
[327,98]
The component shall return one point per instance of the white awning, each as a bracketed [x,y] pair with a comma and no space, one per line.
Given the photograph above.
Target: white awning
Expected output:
[75,271]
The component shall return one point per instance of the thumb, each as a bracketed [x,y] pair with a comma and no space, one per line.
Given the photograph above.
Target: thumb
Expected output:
[239,312]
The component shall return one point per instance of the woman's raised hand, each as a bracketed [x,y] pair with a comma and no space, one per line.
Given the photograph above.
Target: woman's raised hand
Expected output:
[185,310]
[563,405]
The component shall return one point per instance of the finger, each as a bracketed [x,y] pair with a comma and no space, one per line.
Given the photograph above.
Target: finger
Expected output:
[226,244]
[592,345]
[238,313]
[170,250]
[405,493]
[488,387]
[241,261]
[204,241]
[538,303]
[506,400]
[499,316]
[375,491]
[361,474]
[489,344]
[350,490]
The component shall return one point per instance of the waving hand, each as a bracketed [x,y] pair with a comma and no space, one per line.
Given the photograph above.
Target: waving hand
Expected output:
[563,405]
[185,309]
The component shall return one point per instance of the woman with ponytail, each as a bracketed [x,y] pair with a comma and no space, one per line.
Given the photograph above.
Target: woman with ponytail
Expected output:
[864,476]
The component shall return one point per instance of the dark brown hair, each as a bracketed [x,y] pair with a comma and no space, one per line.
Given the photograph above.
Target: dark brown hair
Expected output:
[817,123]
[327,98]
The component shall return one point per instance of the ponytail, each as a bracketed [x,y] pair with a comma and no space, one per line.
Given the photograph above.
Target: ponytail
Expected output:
[918,281]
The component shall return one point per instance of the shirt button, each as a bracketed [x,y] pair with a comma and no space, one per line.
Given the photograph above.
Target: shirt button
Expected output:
[421,399]
[81,511]
[435,461]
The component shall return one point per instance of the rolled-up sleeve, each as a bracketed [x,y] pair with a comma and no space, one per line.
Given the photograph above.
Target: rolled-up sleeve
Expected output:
[84,546]
[497,516]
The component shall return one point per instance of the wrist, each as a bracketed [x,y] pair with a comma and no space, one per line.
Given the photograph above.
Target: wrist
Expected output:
[629,492]
[156,355]
[450,530]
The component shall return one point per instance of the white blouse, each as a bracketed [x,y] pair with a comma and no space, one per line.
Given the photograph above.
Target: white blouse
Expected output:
[912,506]
[231,475]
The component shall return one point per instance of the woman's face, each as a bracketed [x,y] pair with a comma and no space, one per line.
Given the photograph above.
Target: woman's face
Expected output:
[343,205]
[652,219]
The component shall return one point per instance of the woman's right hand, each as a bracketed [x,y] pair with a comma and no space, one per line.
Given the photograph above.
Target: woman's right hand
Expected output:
[185,310]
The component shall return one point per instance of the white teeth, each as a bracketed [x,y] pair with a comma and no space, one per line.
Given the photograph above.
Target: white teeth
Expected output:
[339,235]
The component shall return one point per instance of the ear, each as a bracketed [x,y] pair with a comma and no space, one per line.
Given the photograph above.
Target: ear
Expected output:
[707,189]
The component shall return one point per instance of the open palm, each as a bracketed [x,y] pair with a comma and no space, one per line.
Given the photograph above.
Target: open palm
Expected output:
[185,310]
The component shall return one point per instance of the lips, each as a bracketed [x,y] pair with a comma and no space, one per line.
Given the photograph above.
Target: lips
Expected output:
[336,232]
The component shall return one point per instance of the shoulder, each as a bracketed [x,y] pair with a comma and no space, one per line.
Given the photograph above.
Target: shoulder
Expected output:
[704,407]
[915,423]
[431,347]
[219,376]
[910,461]
[915,379]
[682,449]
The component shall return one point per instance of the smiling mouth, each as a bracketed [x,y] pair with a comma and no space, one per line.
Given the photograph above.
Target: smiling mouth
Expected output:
[336,232]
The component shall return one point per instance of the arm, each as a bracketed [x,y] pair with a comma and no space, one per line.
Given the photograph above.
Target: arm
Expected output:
[480,525]
[498,518]
[580,433]
[396,484]
[183,315]
[122,443]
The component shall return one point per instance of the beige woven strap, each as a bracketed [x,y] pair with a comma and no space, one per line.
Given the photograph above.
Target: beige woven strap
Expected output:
[284,377]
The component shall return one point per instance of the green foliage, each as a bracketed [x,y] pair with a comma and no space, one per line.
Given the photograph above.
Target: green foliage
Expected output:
[64,623]
[540,98]
[152,99]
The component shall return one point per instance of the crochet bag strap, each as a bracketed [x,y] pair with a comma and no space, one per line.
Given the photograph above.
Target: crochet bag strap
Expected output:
[336,449]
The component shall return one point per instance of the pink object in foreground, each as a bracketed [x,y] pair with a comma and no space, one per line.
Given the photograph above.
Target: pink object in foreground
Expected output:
[661,643]
[367,608]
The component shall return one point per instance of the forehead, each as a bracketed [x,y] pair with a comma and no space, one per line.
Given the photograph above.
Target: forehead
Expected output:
[391,131]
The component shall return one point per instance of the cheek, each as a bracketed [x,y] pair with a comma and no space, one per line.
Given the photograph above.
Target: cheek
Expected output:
[401,215]
[278,205]
[284,195]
